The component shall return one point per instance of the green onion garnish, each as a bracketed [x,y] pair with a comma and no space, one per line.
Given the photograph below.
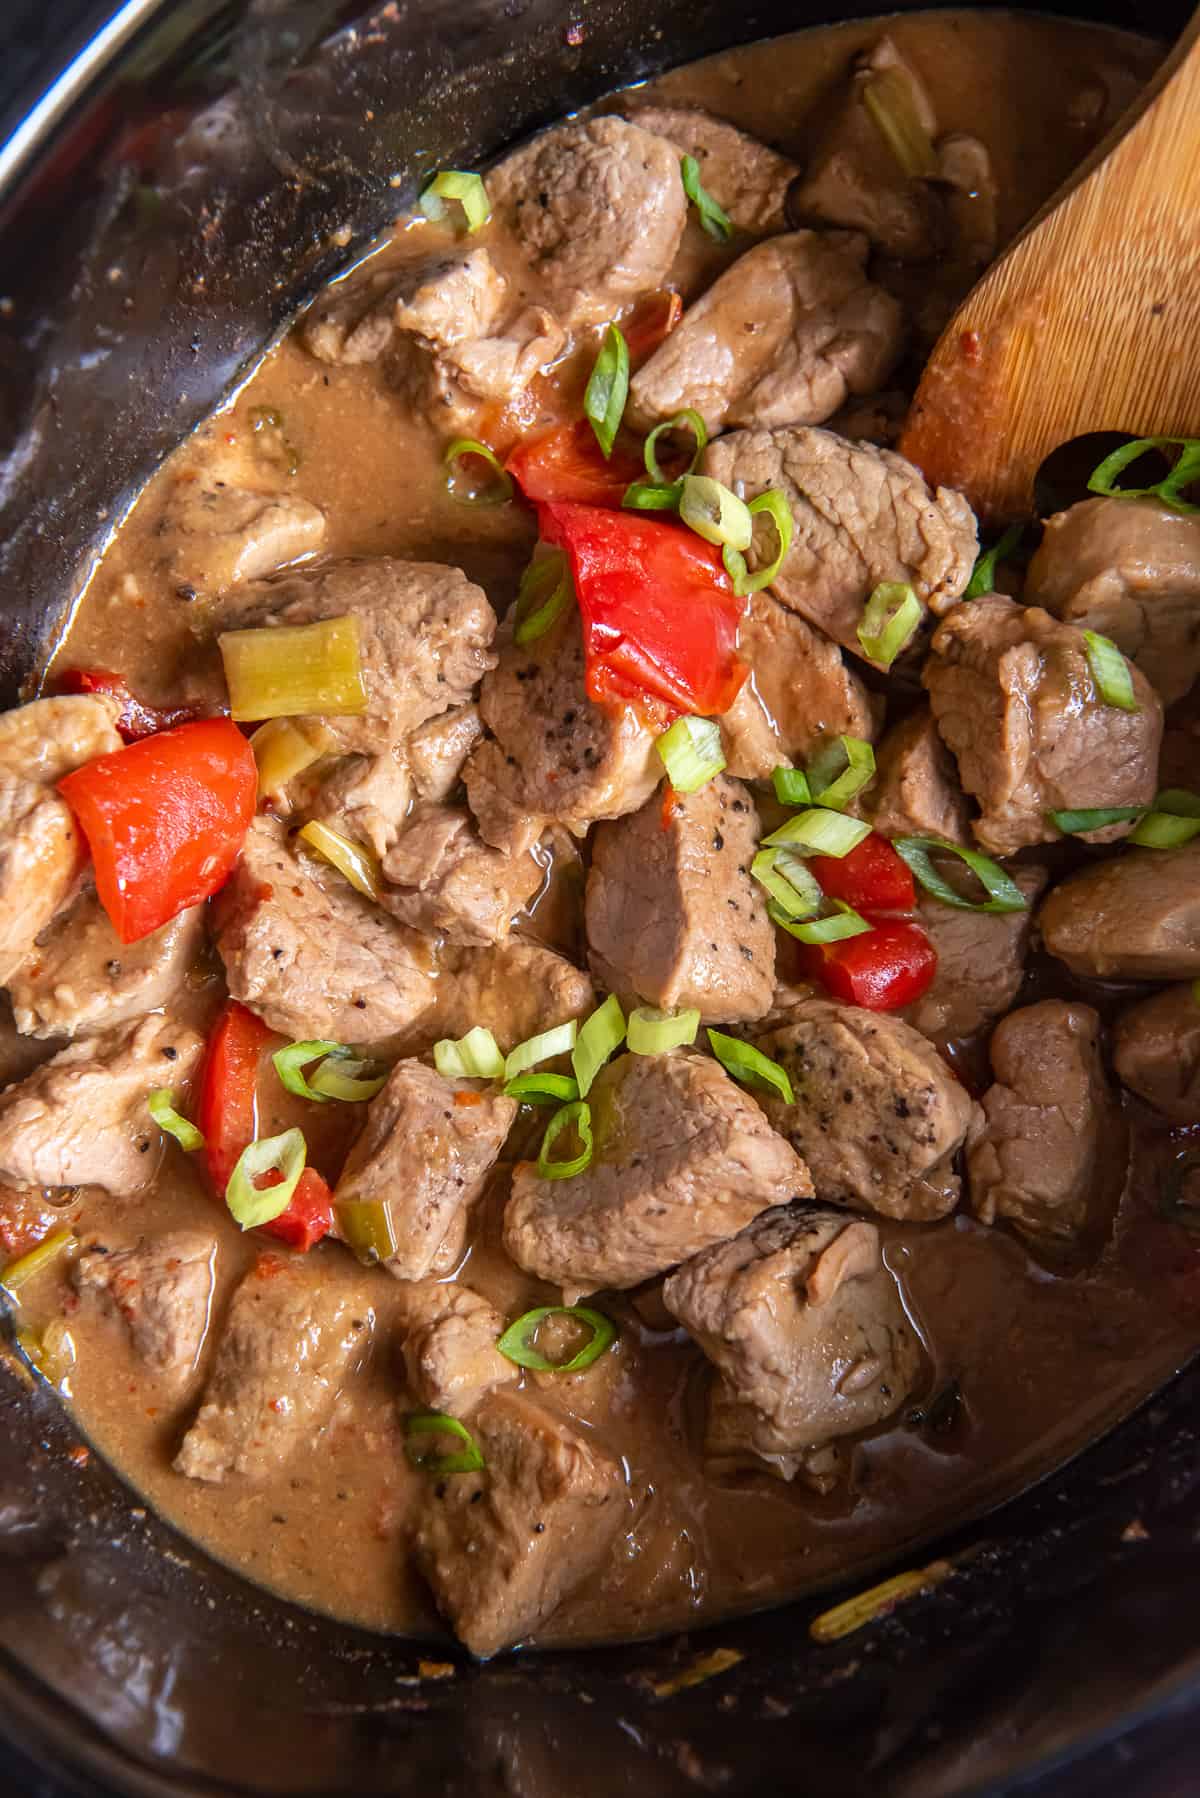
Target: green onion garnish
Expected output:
[353,861]
[775,505]
[888,98]
[819,833]
[460,185]
[791,786]
[286,1154]
[366,1228]
[1175,820]
[1003,892]
[983,575]
[475,1056]
[545,592]
[714,512]
[749,1065]
[578,1117]
[26,1266]
[682,421]
[161,1105]
[691,753]
[542,1089]
[1110,671]
[1098,817]
[793,889]
[343,1076]
[608,389]
[558,1041]
[516,1344]
[291,1062]
[889,621]
[1185,471]
[840,771]
[600,1037]
[652,1032]
[498,492]
[843,922]
[645,496]
[436,1423]
[713,218]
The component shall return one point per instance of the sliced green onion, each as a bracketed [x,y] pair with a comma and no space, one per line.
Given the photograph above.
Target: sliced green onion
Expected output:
[475,1056]
[345,1078]
[888,98]
[356,863]
[548,1043]
[161,1106]
[843,922]
[682,421]
[1196,991]
[1175,820]
[600,1037]
[889,621]
[366,1227]
[1110,671]
[983,575]
[691,753]
[793,889]
[1003,893]
[841,771]
[1098,817]
[436,1423]
[284,671]
[545,593]
[1185,471]
[652,1032]
[461,185]
[819,833]
[791,786]
[576,1116]
[286,1154]
[290,1062]
[27,1266]
[749,1065]
[775,505]
[542,1089]
[713,218]
[608,389]
[516,1344]
[498,491]
[645,496]
[714,512]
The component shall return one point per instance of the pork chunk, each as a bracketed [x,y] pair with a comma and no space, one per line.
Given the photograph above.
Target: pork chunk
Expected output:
[445,302]
[672,913]
[553,756]
[1133,917]
[781,338]
[1046,1154]
[598,209]
[516,990]
[438,751]
[805,1325]
[82,978]
[1156,1052]
[214,536]
[748,180]
[876,1113]
[916,790]
[981,961]
[1129,569]
[683,1159]
[1015,700]
[287,1343]
[161,1289]
[425,1151]
[81,1118]
[442,877]
[800,694]
[450,1355]
[861,515]
[310,955]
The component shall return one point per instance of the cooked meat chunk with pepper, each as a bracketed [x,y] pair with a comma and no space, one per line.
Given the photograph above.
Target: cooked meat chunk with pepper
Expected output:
[781,338]
[748,180]
[288,1341]
[876,1113]
[501,1548]
[861,515]
[1156,1052]
[312,956]
[450,1354]
[598,209]
[1135,916]
[682,1159]
[1046,1153]
[1129,569]
[516,990]
[438,751]
[980,959]
[804,1323]
[673,915]
[161,1289]
[81,977]
[441,877]
[81,1118]
[426,1149]
[1015,699]
[916,790]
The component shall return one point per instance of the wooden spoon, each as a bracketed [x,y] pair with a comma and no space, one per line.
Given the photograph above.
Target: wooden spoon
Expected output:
[1090,321]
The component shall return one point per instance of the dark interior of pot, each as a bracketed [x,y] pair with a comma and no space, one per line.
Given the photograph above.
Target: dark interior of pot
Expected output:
[132,1663]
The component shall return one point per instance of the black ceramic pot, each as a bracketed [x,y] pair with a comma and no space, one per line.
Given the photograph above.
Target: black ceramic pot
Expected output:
[1063,1657]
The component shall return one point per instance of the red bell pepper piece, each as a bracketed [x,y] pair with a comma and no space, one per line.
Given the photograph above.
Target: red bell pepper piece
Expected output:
[165,820]
[651,323]
[872,878]
[136,720]
[660,617]
[881,970]
[309,1215]
[567,463]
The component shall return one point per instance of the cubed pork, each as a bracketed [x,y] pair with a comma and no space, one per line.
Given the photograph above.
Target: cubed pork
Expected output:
[231,514]
[1135,916]
[515,989]
[437,751]
[981,960]
[160,1287]
[450,1356]
[748,180]
[916,790]
[445,301]
[80,976]
[441,877]
[1156,1052]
